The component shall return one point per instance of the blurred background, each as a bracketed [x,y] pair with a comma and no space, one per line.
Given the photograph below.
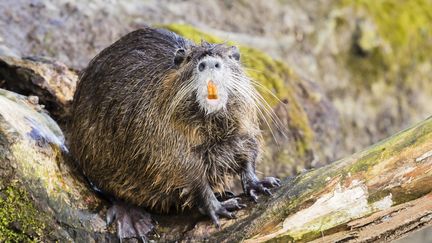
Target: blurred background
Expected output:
[347,73]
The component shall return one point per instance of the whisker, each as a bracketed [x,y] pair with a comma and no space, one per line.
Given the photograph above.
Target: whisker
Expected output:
[262,110]
[263,104]
[180,95]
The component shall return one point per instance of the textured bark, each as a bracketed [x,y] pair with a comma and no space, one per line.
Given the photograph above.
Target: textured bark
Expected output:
[388,224]
[382,192]
[52,82]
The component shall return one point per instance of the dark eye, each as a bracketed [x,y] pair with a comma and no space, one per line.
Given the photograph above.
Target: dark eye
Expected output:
[234,53]
[179,56]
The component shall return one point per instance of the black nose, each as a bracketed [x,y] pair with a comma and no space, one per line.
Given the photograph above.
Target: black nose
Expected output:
[209,63]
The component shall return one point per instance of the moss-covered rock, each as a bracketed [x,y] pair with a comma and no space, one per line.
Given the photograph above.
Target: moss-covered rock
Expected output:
[391,38]
[403,25]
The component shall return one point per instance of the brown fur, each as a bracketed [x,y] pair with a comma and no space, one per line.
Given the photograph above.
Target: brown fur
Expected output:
[128,147]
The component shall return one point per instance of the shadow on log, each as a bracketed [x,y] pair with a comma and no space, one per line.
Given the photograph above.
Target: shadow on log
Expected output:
[383,191]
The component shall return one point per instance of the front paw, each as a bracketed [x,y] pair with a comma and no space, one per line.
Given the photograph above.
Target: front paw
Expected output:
[252,187]
[218,209]
[271,182]
[233,204]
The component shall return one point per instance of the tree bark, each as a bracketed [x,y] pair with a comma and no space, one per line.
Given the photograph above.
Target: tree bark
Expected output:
[383,192]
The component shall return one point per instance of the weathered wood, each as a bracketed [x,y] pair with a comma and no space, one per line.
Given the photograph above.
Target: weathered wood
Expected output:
[388,224]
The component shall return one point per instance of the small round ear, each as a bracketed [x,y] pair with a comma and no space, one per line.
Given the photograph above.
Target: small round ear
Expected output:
[179,56]
[234,53]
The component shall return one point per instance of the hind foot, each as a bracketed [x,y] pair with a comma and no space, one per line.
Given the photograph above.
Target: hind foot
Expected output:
[215,209]
[131,221]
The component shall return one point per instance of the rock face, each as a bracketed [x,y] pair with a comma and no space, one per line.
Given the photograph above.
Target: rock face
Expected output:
[373,59]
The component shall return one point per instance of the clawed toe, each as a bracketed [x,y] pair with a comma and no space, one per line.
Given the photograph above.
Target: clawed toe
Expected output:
[253,195]
[271,182]
[225,213]
[214,215]
[252,188]
[223,209]
[233,204]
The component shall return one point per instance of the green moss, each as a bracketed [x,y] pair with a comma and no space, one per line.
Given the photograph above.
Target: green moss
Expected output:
[406,25]
[405,31]
[367,161]
[284,239]
[377,196]
[278,81]
[192,33]
[19,219]
[315,228]
[393,145]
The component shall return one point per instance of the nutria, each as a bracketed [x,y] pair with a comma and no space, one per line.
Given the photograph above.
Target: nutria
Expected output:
[161,123]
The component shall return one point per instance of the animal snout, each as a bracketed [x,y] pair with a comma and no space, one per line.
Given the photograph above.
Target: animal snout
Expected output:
[209,63]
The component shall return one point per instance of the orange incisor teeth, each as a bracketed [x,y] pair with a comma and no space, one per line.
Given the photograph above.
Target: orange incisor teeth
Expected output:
[212,91]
